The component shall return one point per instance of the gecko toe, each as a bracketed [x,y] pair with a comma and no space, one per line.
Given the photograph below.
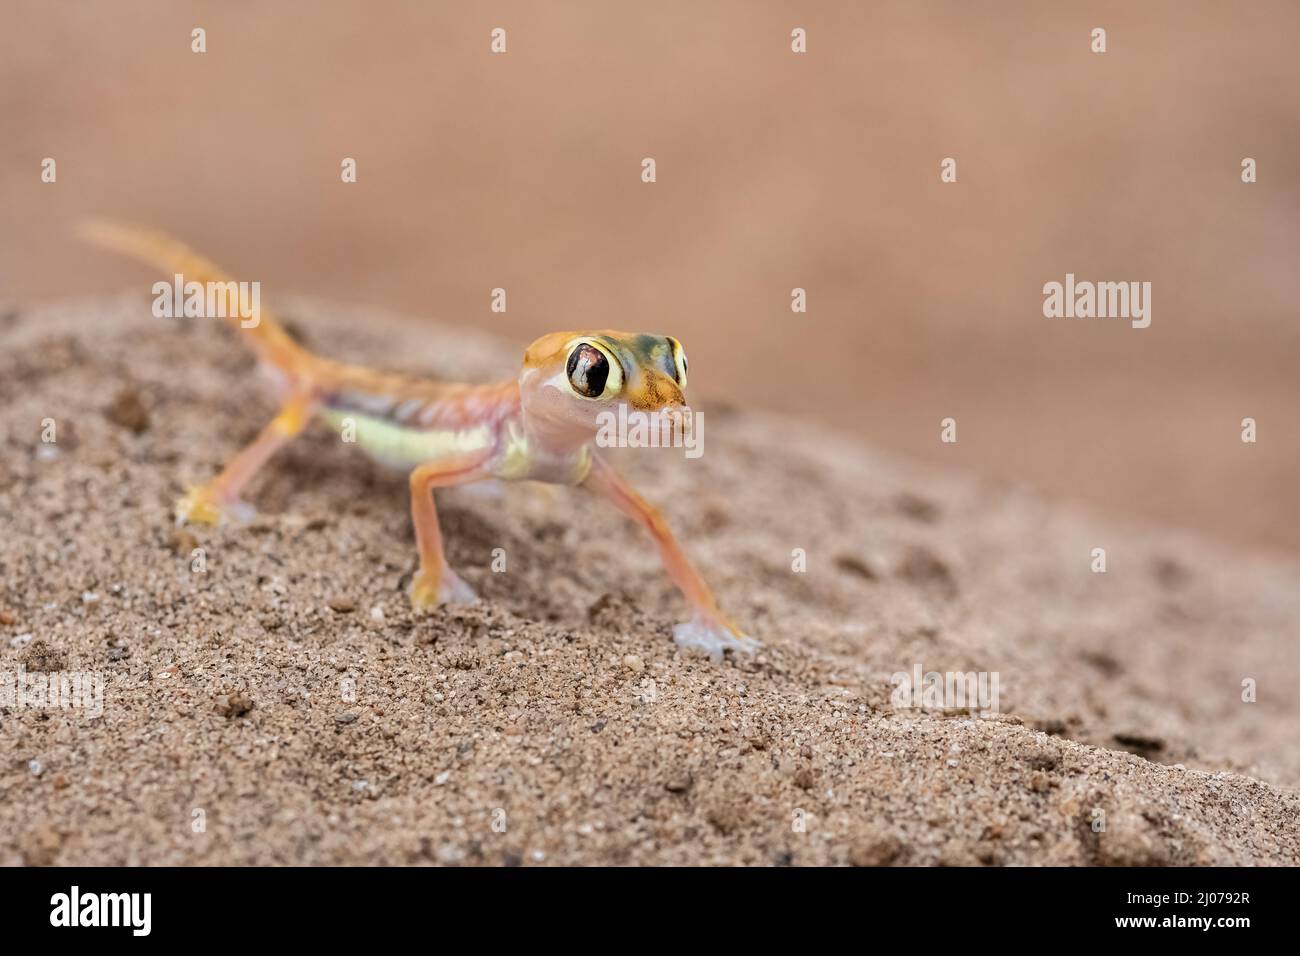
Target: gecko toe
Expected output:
[201,506]
[454,590]
[448,589]
[713,638]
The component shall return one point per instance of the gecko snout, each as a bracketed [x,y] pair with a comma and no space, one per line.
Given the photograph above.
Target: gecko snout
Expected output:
[660,393]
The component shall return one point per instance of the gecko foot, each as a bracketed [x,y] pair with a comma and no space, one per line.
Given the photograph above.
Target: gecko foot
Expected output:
[712,637]
[201,506]
[450,589]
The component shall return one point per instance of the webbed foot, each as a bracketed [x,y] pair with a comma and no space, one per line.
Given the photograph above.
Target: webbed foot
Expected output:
[202,506]
[447,588]
[713,637]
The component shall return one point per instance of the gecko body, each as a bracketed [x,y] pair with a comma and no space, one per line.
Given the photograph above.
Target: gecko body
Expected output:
[540,426]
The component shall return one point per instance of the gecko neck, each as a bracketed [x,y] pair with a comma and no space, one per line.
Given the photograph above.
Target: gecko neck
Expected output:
[529,451]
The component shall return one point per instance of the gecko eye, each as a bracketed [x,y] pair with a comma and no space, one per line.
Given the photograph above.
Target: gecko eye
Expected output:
[591,372]
[679,360]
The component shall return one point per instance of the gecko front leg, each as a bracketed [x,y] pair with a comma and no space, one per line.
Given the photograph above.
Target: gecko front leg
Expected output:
[435,583]
[708,629]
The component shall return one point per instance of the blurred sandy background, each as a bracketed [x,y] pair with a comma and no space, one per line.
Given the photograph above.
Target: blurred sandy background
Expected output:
[775,171]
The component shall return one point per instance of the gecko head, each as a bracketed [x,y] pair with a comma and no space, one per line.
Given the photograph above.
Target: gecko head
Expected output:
[570,378]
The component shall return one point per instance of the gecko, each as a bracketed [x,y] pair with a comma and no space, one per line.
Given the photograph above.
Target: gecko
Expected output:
[540,426]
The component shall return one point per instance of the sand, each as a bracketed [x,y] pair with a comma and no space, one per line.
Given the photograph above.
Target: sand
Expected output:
[284,705]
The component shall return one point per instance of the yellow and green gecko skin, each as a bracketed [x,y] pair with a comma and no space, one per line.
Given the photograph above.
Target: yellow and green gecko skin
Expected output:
[538,427]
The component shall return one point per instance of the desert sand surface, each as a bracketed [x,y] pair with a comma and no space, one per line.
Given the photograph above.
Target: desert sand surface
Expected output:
[284,705]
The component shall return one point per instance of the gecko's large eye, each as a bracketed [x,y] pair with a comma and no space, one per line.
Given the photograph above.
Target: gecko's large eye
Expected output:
[679,360]
[592,373]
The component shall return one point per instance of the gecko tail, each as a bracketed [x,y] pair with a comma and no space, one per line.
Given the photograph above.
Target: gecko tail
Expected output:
[256,326]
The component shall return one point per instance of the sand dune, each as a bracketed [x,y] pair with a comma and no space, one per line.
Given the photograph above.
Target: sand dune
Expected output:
[285,706]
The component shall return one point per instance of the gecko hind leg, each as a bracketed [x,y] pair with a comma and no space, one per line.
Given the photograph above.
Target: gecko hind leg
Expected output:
[219,498]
